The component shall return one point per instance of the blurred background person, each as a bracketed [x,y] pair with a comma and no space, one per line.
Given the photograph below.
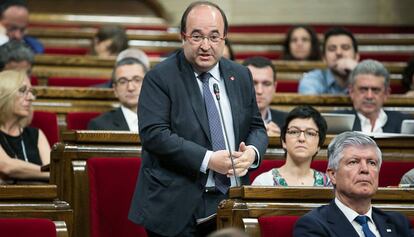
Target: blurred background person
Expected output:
[228,50]
[16,55]
[14,17]
[109,41]
[408,78]
[23,149]
[302,136]
[264,78]
[301,43]
[340,53]
[127,78]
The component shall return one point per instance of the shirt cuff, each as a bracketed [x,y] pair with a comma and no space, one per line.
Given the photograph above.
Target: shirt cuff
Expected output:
[257,160]
[206,159]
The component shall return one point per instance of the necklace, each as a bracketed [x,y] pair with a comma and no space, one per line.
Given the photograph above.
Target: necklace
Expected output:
[10,148]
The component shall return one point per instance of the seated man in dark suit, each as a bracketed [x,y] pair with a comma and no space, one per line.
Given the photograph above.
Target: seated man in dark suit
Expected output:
[127,79]
[353,167]
[369,88]
[264,77]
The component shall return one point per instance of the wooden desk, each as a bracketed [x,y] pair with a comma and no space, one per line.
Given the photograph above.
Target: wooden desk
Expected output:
[36,201]
[254,202]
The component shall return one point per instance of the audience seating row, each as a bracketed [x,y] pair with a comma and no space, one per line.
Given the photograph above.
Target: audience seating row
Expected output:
[34,227]
[70,160]
[248,205]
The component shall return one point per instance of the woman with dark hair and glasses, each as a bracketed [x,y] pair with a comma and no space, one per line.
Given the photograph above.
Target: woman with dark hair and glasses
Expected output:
[302,136]
[23,149]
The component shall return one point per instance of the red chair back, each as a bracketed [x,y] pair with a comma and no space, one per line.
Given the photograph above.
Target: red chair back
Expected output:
[48,123]
[392,171]
[75,82]
[79,120]
[111,185]
[277,226]
[20,227]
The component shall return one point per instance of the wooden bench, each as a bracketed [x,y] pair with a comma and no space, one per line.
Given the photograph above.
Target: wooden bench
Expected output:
[36,201]
[68,167]
[247,203]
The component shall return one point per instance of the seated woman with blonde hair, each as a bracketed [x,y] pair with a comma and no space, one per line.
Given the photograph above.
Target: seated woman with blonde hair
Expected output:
[23,149]
[302,136]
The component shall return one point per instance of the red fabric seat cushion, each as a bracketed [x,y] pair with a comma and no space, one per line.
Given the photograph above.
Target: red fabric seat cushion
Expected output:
[23,227]
[79,120]
[111,185]
[48,123]
[277,226]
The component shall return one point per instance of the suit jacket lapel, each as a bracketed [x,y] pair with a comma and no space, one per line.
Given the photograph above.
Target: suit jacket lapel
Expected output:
[385,228]
[338,222]
[357,122]
[193,90]
[231,83]
[120,120]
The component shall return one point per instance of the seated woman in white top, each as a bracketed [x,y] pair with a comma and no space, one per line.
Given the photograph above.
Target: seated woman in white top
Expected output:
[302,136]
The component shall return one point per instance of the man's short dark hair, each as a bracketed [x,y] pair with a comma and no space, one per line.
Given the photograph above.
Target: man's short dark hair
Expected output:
[15,51]
[260,62]
[127,61]
[335,31]
[5,4]
[183,25]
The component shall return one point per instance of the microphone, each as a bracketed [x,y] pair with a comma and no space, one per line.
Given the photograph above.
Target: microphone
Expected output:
[217,93]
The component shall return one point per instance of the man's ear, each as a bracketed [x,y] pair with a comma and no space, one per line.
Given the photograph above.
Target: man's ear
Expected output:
[331,174]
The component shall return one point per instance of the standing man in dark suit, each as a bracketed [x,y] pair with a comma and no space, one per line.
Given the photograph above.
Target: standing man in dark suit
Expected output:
[183,175]
[353,167]
[369,89]
[127,78]
[264,77]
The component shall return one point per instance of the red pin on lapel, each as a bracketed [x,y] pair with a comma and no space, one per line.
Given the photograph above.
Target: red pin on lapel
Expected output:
[232,78]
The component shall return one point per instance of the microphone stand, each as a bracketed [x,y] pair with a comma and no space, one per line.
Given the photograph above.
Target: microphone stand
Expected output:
[217,93]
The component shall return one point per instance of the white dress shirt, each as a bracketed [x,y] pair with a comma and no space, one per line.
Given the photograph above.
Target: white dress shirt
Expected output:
[366,126]
[131,118]
[351,215]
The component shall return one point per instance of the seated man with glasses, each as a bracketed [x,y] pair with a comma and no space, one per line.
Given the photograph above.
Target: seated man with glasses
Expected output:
[369,88]
[302,136]
[127,78]
[354,162]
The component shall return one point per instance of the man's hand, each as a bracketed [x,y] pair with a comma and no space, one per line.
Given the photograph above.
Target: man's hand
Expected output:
[345,65]
[243,159]
[220,162]
[272,129]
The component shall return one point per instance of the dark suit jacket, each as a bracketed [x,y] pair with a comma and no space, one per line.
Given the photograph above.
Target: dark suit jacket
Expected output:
[393,124]
[278,117]
[111,120]
[175,136]
[329,220]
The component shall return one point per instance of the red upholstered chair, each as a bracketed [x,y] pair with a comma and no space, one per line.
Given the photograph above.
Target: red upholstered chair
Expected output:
[392,171]
[111,186]
[277,226]
[48,123]
[10,227]
[267,165]
[79,120]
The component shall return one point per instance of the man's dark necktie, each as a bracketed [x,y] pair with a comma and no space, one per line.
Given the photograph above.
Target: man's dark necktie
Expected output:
[216,132]
[363,221]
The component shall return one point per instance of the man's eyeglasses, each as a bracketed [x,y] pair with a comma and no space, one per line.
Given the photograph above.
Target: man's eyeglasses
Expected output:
[124,81]
[296,132]
[25,91]
[198,38]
